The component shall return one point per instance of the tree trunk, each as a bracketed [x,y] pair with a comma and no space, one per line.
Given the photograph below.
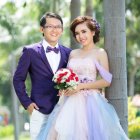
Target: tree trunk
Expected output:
[75,7]
[55,5]
[15,108]
[132,81]
[89,8]
[115,45]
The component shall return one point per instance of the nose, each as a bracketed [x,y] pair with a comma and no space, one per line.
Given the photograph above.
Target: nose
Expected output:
[54,27]
[80,35]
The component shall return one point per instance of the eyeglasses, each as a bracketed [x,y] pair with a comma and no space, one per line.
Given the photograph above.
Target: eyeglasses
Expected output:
[58,27]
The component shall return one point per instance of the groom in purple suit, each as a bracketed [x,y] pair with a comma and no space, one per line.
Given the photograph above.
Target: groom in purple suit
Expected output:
[41,61]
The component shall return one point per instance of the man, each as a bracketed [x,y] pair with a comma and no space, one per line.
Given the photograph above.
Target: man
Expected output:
[41,60]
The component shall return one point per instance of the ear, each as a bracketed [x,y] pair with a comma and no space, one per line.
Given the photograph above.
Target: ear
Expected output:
[41,29]
[93,33]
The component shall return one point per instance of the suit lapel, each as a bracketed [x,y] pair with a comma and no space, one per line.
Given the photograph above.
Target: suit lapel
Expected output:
[62,57]
[44,58]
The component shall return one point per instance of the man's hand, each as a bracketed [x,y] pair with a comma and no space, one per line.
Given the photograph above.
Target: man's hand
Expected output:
[31,107]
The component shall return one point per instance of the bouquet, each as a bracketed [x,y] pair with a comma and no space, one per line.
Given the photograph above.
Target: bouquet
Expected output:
[65,78]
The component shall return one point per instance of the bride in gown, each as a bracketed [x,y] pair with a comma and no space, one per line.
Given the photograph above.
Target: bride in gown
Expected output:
[84,113]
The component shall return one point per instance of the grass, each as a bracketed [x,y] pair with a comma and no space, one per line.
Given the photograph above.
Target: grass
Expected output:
[21,137]
[12,138]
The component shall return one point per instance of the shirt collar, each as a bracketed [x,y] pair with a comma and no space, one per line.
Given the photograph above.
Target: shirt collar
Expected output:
[46,44]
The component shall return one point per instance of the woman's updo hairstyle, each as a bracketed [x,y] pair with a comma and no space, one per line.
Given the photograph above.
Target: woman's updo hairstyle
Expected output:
[91,23]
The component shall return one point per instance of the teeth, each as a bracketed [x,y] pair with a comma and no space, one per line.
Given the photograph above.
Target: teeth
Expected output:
[82,40]
[54,35]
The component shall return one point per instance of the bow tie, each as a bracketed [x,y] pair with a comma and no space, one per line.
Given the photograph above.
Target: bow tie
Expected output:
[49,49]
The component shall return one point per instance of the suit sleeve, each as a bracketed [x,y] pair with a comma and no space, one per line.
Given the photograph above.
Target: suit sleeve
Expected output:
[20,77]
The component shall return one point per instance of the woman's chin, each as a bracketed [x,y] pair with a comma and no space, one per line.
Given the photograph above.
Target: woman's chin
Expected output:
[83,43]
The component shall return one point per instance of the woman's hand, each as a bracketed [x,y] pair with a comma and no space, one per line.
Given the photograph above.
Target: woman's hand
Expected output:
[69,92]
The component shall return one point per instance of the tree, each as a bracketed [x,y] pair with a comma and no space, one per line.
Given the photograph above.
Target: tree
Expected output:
[75,11]
[133,67]
[133,46]
[133,5]
[115,44]
[89,8]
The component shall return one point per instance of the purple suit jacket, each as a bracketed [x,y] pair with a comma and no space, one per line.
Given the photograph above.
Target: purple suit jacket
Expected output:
[34,61]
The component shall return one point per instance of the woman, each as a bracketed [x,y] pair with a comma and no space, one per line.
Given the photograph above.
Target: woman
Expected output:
[84,113]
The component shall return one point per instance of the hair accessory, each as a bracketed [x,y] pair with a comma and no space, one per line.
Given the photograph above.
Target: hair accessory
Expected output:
[97,25]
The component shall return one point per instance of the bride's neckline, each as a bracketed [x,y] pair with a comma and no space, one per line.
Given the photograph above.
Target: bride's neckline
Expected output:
[84,58]
[86,53]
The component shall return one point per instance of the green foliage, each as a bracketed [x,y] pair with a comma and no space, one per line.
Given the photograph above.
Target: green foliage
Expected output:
[4,135]
[133,41]
[134,121]
[137,78]
[134,6]
[6,13]
[6,131]
[12,138]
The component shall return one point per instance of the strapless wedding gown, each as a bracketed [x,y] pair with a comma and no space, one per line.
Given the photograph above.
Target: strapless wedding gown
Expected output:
[86,115]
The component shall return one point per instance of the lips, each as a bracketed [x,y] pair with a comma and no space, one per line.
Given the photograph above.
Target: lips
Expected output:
[82,40]
[54,35]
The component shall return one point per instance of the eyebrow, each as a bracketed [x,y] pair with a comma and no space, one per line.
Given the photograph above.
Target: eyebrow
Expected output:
[54,25]
[81,30]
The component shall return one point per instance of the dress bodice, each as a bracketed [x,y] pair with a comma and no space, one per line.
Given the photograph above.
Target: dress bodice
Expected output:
[85,68]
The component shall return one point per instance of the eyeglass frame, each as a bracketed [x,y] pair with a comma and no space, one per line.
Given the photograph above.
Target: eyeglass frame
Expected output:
[51,27]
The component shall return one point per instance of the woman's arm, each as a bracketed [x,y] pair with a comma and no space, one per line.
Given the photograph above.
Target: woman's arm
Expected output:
[103,68]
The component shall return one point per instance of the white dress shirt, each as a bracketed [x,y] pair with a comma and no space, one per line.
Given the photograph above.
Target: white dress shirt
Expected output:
[53,58]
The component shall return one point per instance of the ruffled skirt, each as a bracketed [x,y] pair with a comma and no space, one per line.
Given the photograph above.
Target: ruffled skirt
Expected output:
[86,115]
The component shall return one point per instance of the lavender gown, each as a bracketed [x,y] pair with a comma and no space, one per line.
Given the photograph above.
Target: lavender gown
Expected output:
[87,115]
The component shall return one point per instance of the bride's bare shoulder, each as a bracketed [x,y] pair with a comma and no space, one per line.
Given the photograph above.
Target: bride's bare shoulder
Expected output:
[101,54]
[100,51]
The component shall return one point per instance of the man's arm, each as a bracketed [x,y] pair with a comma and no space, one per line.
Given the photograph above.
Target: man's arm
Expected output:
[20,77]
